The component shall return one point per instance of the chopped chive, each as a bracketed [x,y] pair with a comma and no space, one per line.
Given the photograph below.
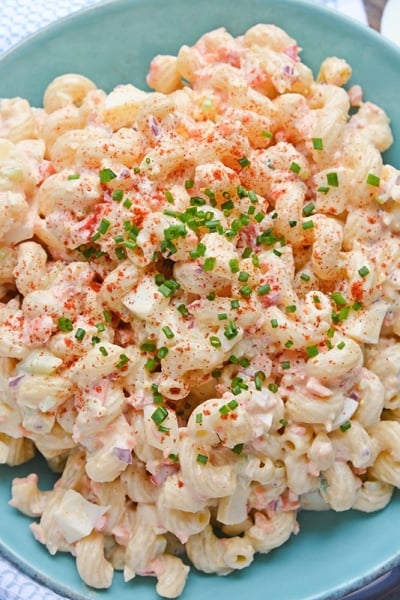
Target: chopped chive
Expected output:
[244,362]
[253,197]
[197,201]
[231,330]
[95,340]
[74,176]
[202,458]
[163,429]
[317,144]
[246,291]
[216,373]
[168,287]
[103,351]
[209,263]
[228,205]
[373,180]
[357,306]
[117,195]
[159,415]
[323,189]
[234,265]
[264,289]
[106,175]
[295,167]
[123,359]
[167,331]
[80,334]
[222,316]
[148,347]
[277,252]
[235,303]
[189,183]
[173,457]
[274,323]
[107,316]
[157,397]
[259,378]
[345,426]
[332,179]
[244,162]
[338,298]
[241,191]
[289,344]
[215,341]
[150,364]
[364,271]
[238,448]
[312,351]
[266,134]
[65,324]
[127,203]
[211,296]
[285,364]
[307,224]
[120,253]
[162,352]
[291,308]
[292,224]
[211,196]
[273,387]
[341,345]
[199,418]
[243,276]
[232,404]
[308,209]
[183,310]
[159,278]
[255,260]
[343,313]
[305,277]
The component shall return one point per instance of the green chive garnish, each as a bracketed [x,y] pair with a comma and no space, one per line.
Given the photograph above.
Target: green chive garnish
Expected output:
[317,144]
[65,324]
[364,271]
[373,180]
[106,175]
[332,179]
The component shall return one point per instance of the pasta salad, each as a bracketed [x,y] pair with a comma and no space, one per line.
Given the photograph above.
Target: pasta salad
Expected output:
[200,308]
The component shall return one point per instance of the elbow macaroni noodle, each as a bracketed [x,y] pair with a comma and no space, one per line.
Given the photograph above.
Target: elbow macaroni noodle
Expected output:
[200,307]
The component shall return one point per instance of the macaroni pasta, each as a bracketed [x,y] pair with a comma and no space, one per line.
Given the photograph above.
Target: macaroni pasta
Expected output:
[200,307]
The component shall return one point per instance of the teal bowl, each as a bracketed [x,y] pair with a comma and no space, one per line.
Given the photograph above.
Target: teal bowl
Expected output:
[113,43]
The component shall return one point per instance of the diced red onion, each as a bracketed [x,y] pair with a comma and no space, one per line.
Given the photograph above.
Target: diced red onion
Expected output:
[123,454]
[14,381]
[154,126]
[163,473]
